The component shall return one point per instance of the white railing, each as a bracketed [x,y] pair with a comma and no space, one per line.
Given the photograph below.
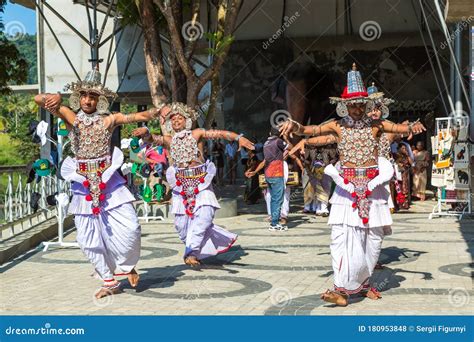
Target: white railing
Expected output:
[18,215]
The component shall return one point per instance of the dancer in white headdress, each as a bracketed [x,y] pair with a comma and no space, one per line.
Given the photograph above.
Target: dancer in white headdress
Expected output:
[190,177]
[108,232]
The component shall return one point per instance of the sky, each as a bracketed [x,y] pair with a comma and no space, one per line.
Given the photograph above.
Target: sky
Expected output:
[17,18]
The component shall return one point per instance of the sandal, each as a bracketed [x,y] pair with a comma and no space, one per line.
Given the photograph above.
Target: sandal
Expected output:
[335,297]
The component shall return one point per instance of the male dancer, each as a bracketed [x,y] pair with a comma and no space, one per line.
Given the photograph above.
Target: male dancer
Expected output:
[359,208]
[193,200]
[108,231]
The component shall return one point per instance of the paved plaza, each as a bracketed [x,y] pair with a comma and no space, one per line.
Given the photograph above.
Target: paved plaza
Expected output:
[427,271]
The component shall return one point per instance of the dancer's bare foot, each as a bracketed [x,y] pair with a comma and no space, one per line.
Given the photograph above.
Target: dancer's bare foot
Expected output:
[338,298]
[108,290]
[192,261]
[373,294]
[133,278]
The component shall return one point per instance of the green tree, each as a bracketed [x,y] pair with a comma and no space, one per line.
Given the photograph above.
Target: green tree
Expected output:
[177,21]
[26,44]
[17,111]
[13,67]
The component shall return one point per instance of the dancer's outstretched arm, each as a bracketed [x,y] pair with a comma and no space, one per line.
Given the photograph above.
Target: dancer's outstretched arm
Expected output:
[314,141]
[147,115]
[291,127]
[52,103]
[157,139]
[408,128]
[199,133]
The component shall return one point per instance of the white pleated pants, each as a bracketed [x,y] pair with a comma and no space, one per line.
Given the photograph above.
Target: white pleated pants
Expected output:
[111,241]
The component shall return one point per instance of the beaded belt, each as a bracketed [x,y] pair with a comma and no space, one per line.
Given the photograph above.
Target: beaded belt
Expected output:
[92,169]
[93,165]
[195,172]
[189,179]
[360,177]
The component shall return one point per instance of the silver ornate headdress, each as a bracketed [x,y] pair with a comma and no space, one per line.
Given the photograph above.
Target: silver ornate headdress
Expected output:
[187,112]
[355,92]
[91,84]
[379,100]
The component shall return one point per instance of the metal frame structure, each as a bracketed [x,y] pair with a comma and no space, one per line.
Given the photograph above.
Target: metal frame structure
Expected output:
[438,207]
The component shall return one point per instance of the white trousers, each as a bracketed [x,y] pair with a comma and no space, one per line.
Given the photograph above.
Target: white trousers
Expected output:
[354,252]
[285,207]
[111,241]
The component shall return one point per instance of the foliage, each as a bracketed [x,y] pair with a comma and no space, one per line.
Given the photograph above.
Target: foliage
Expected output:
[218,41]
[9,151]
[26,45]
[126,130]
[18,110]
[130,14]
[13,67]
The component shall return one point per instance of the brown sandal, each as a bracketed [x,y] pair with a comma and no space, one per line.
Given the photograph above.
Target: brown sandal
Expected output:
[335,297]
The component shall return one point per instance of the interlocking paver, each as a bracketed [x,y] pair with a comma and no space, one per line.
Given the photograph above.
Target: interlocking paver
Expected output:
[428,270]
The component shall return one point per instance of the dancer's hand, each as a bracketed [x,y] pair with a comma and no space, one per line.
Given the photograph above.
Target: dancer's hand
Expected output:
[417,128]
[249,174]
[52,102]
[289,127]
[244,142]
[139,132]
[410,135]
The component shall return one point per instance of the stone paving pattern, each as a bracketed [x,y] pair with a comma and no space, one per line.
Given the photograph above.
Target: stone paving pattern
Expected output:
[428,271]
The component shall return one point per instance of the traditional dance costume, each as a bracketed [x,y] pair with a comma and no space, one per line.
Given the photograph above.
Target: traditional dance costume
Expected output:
[108,231]
[317,185]
[194,202]
[359,208]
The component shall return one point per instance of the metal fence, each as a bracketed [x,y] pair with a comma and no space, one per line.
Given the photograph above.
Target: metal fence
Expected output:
[16,197]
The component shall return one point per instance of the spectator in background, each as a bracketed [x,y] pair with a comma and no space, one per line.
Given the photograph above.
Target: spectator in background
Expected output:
[422,162]
[252,190]
[258,149]
[218,155]
[404,163]
[231,156]
[274,175]
[244,156]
